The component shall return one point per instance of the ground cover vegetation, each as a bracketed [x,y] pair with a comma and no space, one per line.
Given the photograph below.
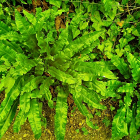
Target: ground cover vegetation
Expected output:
[89,49]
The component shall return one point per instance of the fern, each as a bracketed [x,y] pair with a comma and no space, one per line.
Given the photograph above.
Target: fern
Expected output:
[61,113]
[120,64]
[119,125]
[33,56]
[34,118]
[5,123]
[10,97]
[134,65]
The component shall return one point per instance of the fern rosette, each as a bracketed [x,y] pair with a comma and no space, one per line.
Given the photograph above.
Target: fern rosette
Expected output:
[29,49]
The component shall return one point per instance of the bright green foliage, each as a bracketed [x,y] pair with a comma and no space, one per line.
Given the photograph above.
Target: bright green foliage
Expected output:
[120,64]
[124,122]
[21,1]
[31,47]
[55,2]
[22,115]
[119,125]
[34,118]
[5,123]
[134,65]
[61,113]
[26,63]
[124,2]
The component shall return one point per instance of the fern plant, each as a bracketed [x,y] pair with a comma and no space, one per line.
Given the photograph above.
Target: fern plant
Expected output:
[30,48]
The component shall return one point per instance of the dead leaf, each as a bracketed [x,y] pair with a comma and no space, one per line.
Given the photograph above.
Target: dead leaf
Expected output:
[45,5]
[57,22]
[37,3]
[120,23]
[19,9]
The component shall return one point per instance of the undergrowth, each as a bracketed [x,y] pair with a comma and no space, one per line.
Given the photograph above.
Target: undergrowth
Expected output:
[34,55]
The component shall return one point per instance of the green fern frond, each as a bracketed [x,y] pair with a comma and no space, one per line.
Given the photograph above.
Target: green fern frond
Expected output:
[22,66]
[80,94]
[4,28]
[88,98]
[121,65]
[30,17]
[85,76]
[10,97]
[22,114]
[135,66]
[100,86]
[34,94]
[7,52]
[78,45]
[44,90]
[60,75]
[138,115]
[42,43]
[32,84]
[61,42]
[7,120]
[10,81]
[31,42]
[34,118]
[22,24]
[42,17]
[25,102]
[20,120]
[57,3]
[4,66]
[39,69]
[78,98]
[11,35]
[127,101]
[133,128]
[93,67]
[128,87]
[16,47]
[119,126]
[61,114]
[113,85]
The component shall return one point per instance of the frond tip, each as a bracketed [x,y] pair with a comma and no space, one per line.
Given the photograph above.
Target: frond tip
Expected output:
[61,114]
[34,118]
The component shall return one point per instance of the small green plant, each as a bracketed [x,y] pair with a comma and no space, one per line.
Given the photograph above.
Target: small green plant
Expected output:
[98,113]
[77,130]
[85,130]
[106,121]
